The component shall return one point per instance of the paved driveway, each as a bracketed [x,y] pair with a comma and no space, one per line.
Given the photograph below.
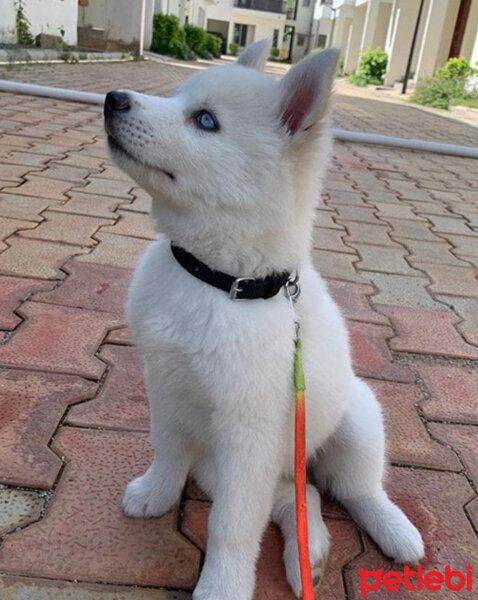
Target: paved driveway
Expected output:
[397,239]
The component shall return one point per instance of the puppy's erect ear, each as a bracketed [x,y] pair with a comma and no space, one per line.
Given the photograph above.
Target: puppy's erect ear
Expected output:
[305,92]
[255,55]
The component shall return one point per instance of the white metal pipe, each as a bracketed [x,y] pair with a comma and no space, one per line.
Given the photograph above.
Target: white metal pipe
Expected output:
[13,87]
[408,144]
[342,135]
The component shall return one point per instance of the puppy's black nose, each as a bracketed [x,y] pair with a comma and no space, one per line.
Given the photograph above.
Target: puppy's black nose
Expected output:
[116,101]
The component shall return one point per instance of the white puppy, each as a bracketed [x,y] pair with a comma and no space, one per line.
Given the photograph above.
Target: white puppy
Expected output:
[233,162]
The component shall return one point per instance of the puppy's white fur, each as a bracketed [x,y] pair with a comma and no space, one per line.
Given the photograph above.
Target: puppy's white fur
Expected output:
[218,372]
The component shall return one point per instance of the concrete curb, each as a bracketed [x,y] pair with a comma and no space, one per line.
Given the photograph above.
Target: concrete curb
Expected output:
[22,56]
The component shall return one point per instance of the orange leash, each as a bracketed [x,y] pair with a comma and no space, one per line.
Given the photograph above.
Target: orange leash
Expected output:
[301,477]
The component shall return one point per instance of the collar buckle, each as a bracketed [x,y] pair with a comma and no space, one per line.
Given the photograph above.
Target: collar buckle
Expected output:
[237,289]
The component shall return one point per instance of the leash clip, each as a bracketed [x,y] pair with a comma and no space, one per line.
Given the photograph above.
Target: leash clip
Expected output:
[292,287]
[292,292]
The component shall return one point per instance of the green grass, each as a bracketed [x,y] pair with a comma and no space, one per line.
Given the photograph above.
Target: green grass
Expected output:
[468,102]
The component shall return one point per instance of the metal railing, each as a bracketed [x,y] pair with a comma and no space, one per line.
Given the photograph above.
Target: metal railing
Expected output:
[274,6]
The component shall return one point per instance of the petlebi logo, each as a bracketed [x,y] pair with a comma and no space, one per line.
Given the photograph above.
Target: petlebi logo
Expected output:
[416,580]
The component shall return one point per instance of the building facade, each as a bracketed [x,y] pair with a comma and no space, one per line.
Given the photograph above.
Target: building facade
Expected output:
[235,21]
[287,24]
[448,28]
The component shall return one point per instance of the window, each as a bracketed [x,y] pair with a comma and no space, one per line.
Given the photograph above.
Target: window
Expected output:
[321,40]
[291,9]
[305,3]
[275,38]
[240,34]
[300,39]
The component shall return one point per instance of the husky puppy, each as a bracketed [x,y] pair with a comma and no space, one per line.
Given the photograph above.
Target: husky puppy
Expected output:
[233,163]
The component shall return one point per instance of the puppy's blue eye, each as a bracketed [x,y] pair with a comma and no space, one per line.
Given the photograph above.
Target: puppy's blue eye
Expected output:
[206,120]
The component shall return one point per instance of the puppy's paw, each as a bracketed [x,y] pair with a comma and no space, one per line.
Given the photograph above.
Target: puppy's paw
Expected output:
[203,594]
[319,551]
[219,591]
[226,575]
[142,499]
[389,527]
[406,544]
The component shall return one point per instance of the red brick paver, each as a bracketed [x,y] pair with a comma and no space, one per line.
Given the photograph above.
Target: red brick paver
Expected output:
[453,392]
[36,258]
[428,332]
[85,522]
[408,441]
[24,207]
[13,291]
[91,286]
[66,228]
[12,587]
[31,405]
[354,302]
[371,355]
[122,403]
[42,187]
[60,339]
[464,439]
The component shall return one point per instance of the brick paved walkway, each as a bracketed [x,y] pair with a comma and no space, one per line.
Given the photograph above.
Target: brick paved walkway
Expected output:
[397,238]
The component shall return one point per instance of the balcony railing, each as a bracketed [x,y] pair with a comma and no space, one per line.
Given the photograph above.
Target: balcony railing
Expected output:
[274,6]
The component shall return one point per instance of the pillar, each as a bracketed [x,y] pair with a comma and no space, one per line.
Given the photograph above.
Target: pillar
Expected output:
[404,16]
[353,49]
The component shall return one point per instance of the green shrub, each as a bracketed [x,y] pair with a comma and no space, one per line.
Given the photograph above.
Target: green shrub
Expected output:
[434,92]
[316,50]
[213,45]
[195,39]
[455,68]
[373,65]
[169,37]
[185,43]
[340,66]
[446,86]
[275,53]
[233,48]
[357,78]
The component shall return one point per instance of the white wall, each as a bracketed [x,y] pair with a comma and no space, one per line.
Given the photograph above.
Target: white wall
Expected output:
[179,8]
[120,19]
[354,41]
[45,16]
[383,19]
[474,51]
[404,16]
[471,32]
[7,22]
[93,15]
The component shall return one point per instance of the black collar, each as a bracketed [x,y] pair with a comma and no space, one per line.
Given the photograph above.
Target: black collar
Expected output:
[238,288]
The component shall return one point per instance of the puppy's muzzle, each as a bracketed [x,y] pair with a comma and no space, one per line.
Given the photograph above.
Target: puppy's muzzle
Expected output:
[116,102]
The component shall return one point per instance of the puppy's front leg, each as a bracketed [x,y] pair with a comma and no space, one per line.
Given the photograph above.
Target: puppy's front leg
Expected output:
[248,466]
[156,492]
